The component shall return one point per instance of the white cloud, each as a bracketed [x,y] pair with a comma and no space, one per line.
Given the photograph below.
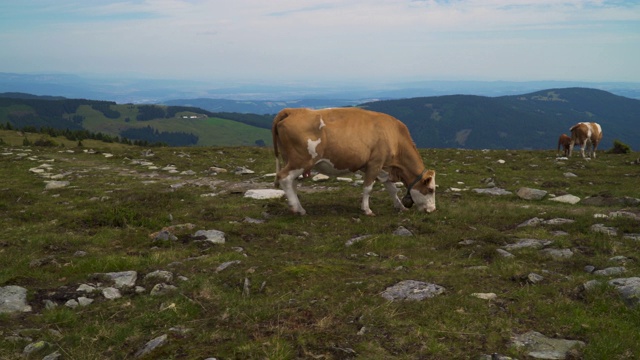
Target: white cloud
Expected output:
[324,39]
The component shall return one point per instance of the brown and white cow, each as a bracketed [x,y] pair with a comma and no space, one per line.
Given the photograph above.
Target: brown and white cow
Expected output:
[341,140]
[585,134]
[564,142]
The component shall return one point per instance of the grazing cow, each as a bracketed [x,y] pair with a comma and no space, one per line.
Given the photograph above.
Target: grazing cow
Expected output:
[565,142]
[342,140]
[585,134]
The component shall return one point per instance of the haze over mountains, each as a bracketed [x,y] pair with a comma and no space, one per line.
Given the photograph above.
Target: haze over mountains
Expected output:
[517,120]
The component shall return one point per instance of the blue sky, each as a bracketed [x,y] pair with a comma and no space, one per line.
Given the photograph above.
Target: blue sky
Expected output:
[360,41]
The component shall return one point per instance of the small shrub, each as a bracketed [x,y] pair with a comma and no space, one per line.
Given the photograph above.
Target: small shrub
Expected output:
[619,148]
[45,142]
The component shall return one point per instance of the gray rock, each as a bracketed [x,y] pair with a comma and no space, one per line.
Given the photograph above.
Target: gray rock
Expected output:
[165,235]
[123,279]
[111,293]
[629,289]
[356,239]
[412,290]
[225,265]
[493,191]
[558,253]
[86,288]
[54,184]
[567,199]
[617,270]
[604,229]
[13,299]
[35,348]
[530,194]
[589,268]
[534,278]
[570,174]
[73,303]
[402,231]
[53,356]
[591,284]
[263,194]
[151,346]
[559,221]
[241,170]
[160,275]
[505,253]
[527,243]
[84,301]
[539,346]
[211,236]
[532,222]
[162,289]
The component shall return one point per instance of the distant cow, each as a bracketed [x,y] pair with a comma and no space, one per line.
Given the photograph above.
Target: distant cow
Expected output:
[342,140]
[585,134]
[564,141]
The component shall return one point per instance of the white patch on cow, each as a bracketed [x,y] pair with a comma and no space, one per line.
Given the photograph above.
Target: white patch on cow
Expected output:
[598,127]
[322,124]
[365,200]
[311,147]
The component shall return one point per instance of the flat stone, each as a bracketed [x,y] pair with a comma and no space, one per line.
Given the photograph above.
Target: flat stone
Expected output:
[264,194]
[611,231]
[629,289]
[54,184]
[558,253]
[402,231]
[160,275]
[13,299]
[111,293]
[530,194]
[566,199]
[505,253]
[616,270]
[412,290]
[493,191]
[356,239]
[122,279]
[151,346]
[162,289]
[320,177]
[539,346]
[485,296]
[527,243]
[211,236]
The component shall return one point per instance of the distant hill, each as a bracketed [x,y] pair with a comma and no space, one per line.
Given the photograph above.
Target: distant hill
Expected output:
[529,121]
[172,125]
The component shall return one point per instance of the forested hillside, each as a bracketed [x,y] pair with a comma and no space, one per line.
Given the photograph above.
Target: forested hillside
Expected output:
[171,125]
[530,121]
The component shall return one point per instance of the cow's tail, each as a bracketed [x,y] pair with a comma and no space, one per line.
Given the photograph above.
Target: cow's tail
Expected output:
[283,114]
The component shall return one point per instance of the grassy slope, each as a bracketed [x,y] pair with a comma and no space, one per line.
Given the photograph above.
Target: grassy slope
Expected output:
[318,293]
[211,131]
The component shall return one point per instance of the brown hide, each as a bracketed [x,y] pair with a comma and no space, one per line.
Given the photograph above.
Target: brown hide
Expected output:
[351,138]
[585,134]
[340,140]
[564,142]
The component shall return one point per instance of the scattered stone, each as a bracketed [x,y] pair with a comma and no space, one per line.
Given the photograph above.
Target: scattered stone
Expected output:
[13,299]
[55,184]
[532,222]
[485,296]
[402,231]
[159,275]
[344,179]
[86,288]
[567,199]
[211,236]
[111,293]
[558,221]
[558,253]
[528,243]
[467,242]
[539,346]
[151,346]
[620,259]
[590,269]
[534,278]
[629,289]
[531,194]
[617,270]
[35,347]
[263,194]
[56,355]
[162,289]
[43,261]
[625,214]
[320,177]
[48,304]
[123,279]
[412,290]
[356,239]
[73,303]
[493,191]
[84,301]
[225,265]
[570,174]
[80,253]
[165,235]
[611,231]
[253,221]
[505,253]
[241,170]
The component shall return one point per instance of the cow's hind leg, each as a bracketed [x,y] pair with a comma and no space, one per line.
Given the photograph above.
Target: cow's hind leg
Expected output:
[288,183]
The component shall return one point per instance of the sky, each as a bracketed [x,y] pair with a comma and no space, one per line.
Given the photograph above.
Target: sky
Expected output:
[365,41]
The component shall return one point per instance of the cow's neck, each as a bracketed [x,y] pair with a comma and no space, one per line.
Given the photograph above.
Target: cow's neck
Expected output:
[411,170]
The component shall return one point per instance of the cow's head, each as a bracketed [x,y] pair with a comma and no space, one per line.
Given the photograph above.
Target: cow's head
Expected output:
[422,192]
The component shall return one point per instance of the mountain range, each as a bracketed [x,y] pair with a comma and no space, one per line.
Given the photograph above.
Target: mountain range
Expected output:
[526,121]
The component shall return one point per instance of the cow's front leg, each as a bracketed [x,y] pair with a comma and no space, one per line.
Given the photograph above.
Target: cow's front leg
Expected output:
[365,199]
[393,192]
[288,184]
